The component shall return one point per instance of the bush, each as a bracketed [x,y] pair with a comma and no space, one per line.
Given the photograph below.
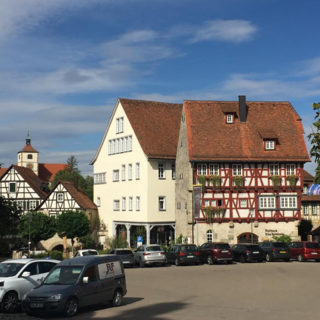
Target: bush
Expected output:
[117,242]
[57,255]
[283,238]
[107,251]
[88,242]
[39,255]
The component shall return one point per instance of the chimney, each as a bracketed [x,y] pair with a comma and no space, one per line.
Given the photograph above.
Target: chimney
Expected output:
[76,183]
[242,109]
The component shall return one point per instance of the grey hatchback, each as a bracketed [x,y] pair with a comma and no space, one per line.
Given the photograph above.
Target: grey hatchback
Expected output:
[276,250]
[183,254]
[126,256]
[150,254]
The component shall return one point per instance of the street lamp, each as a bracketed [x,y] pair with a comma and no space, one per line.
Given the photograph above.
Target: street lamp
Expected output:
[251,213]
[29,222]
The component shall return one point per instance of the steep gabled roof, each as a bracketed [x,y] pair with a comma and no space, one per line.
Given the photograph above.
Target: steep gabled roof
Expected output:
[156,125]
[47,171]
[307,177]
[2,171]
[211,138]
[29,148]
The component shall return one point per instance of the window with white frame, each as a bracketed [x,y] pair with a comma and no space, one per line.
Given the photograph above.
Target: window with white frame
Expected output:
[110,147]
[130,204]
[314,210]
[213,203]
[213,169]
[237,169]
[209,236]
[20,204]
[161,171]
[305,210]
[305,189]
[123,172]
[115,175]
[270,145]
[274,169]
[162,203]
[120,145]
[32,204]
[206,203]
[291,169]
[116,205]
[229,118]
[130,171]
[60,197]
[124,201]
[288,202]
[243,203]
[129,143]
[98,201]
[99,178]
[202,169]
[137,203]
[173,171]
[137,170]
[267,202]
[119,125]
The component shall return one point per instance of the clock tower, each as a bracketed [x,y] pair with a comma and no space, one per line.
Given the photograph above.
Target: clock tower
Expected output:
[29,157]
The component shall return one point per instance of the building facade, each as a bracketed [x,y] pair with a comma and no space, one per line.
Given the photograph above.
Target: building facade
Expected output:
[134,170]
[239,171]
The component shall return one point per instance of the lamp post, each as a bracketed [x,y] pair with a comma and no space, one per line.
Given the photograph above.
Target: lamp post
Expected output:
[251,212]
[29,222]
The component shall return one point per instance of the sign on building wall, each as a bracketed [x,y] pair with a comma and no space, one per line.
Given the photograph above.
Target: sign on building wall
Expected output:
[196,201]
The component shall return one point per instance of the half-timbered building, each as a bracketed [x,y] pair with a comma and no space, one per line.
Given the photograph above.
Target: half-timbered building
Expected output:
[239,171]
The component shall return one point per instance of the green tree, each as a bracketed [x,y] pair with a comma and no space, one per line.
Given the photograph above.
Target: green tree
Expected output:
[74,223]
[304,227]
[88,242]
[42,227]
[283,238]
[117,242]
[73,164]
[314,139]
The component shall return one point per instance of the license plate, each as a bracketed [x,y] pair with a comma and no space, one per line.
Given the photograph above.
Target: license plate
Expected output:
[225,251]
[190,256]
[283,251]
[313,253]
[256,252]
[36,305]
[125,261]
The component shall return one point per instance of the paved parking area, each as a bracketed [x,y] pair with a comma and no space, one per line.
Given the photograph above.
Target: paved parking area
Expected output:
[248,291]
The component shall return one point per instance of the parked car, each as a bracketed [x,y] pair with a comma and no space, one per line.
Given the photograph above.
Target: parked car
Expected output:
[126,256]
[86,252]
[148,255]
[276,250]
[183,254]
[76,283]
[305,250]
[244,252]
[212,252]
[18,276]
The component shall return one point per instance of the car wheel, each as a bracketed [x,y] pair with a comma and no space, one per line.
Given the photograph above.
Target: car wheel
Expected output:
[269,257]
[117,298]
[209,260]
[287,260]
[242,259]
[177,262]
[260,260]
[9,302]
[317,260]
[71,307]
[300,258]
[141,264]
[229,261]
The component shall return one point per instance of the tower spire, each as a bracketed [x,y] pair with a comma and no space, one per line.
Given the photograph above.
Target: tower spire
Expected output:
[28,140]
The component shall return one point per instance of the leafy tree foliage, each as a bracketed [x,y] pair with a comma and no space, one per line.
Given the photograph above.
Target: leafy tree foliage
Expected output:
[117,242]
[71,172]
[10,215]
[75,223]
[314,138]
[283,238]
[88,242]
[304,227]
[42,227]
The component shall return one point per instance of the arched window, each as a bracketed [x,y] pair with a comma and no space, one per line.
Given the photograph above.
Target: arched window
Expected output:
[209,236]
[29,156]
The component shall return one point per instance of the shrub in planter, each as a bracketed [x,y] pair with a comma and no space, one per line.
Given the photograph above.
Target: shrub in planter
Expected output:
[215,180]
[292,179]
[202,180]
[276,181]
[208,212]
[238,181]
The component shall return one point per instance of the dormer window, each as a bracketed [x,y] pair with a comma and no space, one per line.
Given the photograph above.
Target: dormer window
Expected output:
[269,145]
[230,118]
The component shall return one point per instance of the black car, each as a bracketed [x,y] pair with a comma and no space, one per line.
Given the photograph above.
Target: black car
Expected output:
[276,250]
[126,256]
[183,254]
[244,252]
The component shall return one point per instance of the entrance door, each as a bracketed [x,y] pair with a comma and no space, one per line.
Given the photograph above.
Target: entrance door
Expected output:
[246,238]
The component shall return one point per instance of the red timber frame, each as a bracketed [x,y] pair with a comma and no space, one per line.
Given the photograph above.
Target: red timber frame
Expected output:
[255,174]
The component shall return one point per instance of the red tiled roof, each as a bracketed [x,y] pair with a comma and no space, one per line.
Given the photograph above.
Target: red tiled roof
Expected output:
[2,171]
[211,138]
[28,148]
[307,177]
[47,171]
[156,125]
[32,179]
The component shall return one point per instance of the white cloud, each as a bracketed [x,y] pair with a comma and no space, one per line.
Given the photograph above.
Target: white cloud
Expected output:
[225,30]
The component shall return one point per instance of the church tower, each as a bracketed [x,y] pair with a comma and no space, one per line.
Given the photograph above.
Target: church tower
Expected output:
[29,157]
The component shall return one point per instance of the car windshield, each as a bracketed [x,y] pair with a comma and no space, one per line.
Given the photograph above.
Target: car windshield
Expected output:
[123,252]
[279,245]
[253,248]
[90,253]
[63,275]
[154,248]
[312,245]
[10,269]
[189,248]
[222,246]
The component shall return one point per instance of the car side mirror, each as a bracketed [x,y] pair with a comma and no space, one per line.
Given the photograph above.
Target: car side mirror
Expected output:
[26,274]
[85,280]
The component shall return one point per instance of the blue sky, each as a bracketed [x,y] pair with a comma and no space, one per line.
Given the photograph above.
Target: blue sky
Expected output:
[63,63]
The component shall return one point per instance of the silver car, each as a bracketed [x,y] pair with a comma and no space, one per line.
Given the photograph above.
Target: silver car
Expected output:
[19,276]
[150,254]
